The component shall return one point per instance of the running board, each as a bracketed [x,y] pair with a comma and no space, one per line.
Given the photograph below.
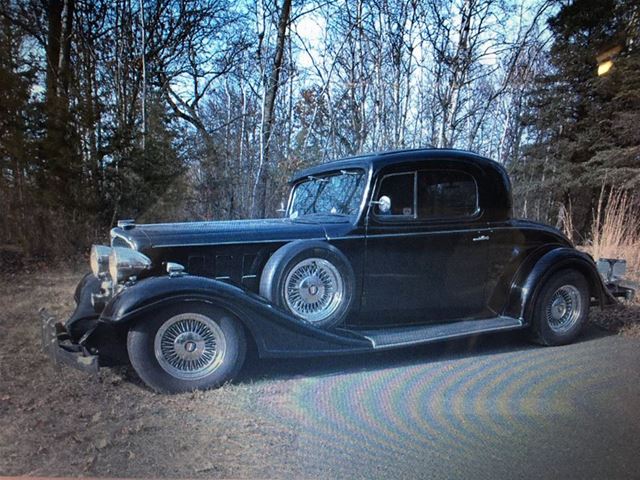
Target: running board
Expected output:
[403,336]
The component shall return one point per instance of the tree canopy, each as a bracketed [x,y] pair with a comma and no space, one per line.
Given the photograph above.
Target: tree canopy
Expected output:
[200,109]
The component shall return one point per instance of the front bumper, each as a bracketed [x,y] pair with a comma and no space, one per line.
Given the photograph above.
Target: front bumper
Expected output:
[57,344]
[626,290]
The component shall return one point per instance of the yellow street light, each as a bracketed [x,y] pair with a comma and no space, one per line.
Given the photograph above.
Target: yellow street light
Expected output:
[605,59]
[604,67]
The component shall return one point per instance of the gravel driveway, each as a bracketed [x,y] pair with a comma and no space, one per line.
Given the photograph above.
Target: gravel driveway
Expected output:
[494,407]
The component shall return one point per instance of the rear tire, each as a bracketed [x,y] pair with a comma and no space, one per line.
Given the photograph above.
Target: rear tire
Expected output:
[561,309]
[185,347]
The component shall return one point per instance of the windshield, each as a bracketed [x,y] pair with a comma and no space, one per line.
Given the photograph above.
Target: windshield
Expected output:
[337,193]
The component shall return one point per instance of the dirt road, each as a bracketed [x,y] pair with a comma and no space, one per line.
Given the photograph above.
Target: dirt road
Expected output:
[494,407]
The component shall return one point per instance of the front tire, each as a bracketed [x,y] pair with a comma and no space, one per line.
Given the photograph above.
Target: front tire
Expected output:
[185,347]
[561,309]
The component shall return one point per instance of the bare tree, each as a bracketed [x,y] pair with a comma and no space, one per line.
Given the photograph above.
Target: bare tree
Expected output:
[259,194]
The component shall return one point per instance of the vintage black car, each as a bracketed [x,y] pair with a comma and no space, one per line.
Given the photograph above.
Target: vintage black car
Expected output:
[374,252]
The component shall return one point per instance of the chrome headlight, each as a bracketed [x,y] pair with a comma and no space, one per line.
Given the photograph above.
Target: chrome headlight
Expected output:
[99,260]
[124,263]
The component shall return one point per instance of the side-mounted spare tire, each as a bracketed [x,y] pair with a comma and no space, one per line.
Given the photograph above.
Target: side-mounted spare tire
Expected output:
[313,280]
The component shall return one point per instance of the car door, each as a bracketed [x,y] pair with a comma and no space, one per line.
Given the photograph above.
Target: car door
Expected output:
[426,258]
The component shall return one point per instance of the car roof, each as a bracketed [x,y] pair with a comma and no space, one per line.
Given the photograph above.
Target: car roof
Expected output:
[379,160]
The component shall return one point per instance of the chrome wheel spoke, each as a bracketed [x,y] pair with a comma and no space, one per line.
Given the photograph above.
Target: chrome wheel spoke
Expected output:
[314,289]
[564,309]
[190,346]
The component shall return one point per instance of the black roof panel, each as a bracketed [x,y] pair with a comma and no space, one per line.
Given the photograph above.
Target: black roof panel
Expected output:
[382,159]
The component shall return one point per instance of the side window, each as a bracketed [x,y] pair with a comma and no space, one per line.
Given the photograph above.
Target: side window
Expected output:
[446,194]
[400,188]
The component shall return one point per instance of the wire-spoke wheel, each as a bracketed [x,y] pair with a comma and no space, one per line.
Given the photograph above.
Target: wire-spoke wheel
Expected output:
[311,279]
[186,346]
[314,289]
[190,346]
[564,308]
[560,309]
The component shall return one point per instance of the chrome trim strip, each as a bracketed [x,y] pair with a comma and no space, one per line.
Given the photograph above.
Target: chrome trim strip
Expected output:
[132,244]
[348,237]
[410,234]
[431,232]
[373,342]
[251,242]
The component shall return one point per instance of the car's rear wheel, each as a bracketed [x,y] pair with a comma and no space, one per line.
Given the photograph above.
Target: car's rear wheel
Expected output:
[561,308]
[186,347]
[312,280]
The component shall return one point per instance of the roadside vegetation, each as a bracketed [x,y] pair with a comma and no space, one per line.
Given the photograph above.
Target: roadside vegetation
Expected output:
[616,234]
[164,110]
[616,231]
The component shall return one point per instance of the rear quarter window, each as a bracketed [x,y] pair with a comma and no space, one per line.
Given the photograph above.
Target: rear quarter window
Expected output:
[446,194]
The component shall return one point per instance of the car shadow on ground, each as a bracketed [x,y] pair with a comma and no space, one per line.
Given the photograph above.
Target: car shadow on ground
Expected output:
[257,369]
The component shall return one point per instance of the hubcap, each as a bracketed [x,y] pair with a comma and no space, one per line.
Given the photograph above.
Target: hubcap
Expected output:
[564,308]
[314,289]
[189,346]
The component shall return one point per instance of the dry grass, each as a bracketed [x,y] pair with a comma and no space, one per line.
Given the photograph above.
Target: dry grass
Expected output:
[616,229]
[616,234]
[565,219]
[64,423]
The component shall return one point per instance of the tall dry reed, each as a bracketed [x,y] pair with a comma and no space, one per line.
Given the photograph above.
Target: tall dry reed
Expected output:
[565,220]
[615,230]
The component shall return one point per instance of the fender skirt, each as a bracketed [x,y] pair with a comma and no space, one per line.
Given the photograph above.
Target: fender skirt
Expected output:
[536,269]
[276,332]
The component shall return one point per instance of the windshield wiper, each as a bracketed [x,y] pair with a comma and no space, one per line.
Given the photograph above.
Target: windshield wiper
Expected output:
[324,214]
[318,179]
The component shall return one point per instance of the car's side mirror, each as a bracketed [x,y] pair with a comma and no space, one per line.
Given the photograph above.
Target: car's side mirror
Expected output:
[384,204]
[282,209]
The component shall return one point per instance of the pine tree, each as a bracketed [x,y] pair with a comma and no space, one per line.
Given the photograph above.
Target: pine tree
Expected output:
[585,127]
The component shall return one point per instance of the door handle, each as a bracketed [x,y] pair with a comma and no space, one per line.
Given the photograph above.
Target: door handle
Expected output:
[481,238]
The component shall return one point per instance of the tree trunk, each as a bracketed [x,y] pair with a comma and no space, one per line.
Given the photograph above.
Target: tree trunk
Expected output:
[259,197]
[57,153]
[54,21]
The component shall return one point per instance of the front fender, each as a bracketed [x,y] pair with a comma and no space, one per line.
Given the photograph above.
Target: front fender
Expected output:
[536,269]
[276,332]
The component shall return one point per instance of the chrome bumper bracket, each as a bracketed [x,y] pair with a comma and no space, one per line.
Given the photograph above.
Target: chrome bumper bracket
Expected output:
[57,344]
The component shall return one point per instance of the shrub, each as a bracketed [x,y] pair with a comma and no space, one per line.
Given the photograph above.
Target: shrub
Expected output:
[615,230]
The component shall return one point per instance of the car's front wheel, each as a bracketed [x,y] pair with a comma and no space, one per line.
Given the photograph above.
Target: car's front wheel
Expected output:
[561,308]
[186,347]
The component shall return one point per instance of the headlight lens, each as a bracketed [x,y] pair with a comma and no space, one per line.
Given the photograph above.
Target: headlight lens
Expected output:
[125,263]
[99,260]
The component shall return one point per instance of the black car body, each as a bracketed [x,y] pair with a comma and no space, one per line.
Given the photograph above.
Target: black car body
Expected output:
[420,246]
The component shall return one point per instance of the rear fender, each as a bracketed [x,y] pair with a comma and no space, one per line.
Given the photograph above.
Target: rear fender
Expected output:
[540,266]
[276,333]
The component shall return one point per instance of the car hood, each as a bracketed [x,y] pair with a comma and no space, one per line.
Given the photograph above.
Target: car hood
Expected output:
[218,232]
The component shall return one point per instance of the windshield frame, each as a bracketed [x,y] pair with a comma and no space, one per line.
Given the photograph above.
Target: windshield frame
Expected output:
[330,172]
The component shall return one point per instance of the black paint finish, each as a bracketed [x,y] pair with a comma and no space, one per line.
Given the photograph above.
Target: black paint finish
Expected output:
[410,273]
